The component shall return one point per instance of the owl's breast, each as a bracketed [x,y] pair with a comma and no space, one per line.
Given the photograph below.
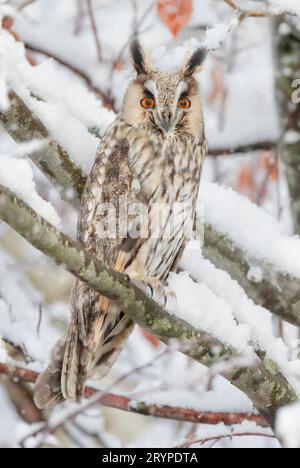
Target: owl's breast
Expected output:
[167,169]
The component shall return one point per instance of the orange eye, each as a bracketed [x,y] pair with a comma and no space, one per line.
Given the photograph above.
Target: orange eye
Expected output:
[148,103]
[184,103]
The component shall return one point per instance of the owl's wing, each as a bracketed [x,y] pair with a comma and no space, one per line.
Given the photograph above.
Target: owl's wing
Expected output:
[99,327]
[106,226]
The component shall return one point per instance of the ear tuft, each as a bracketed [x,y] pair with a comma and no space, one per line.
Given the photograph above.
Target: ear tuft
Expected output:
[195,62]
[138,57]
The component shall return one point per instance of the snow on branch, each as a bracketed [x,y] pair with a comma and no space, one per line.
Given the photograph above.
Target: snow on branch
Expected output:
[128,404]
[259,378]
[275,8]
[18,176]
[65,107]
[23,126]
[216,36]
[252,248]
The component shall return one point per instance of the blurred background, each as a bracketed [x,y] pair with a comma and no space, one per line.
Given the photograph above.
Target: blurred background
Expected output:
[253,135]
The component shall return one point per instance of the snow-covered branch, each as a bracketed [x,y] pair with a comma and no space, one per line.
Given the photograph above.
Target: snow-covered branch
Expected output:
[23,126]
[287,53]
[258,377]
[277,291]
[275,8]
[132,405]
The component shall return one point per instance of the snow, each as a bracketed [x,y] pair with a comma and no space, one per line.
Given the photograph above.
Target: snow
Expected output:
[9,423]
[17,175]
[166,60]
[215,401]
[216,36]
[251,109]
[221,430]
[3,353]
[253,230]
[255,319]
[6,10]
[281,6]
[165,437]
[19,311]
[4,101]
[288,426]
[193,301]
[64,105]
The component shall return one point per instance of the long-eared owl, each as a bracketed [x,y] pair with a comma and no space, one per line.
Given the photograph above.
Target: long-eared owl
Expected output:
[151,156]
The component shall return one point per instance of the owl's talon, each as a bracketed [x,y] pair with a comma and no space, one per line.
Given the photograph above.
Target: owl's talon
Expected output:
[151,290]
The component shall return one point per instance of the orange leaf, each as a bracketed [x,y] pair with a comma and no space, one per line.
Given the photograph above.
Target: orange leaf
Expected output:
[217,88]
[31,59]
[151,338]
[245,179]
[175,13]
[7,22]
[119,65]
[266,158]
[268,163]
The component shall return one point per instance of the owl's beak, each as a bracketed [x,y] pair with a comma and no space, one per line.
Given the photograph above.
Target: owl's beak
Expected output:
[166,121]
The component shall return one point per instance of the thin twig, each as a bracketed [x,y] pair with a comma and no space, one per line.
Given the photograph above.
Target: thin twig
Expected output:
[91,402]
[136,28]
[106,100]
[252,13]
[227,436]
[26,4]
[38,327]
[79,17]
[243,149]
[94,29]
[247,13]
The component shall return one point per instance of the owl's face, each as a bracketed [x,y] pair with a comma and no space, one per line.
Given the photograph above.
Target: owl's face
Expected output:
[168,102]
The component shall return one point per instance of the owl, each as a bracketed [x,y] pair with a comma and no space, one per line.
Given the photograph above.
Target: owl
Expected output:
[151,156]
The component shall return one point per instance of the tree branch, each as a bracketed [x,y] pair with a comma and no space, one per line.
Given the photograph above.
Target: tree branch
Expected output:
[94,29]
[278,292]
[243,13]
[216,439]
[287,61]
[52,159]
[263,383]
[250,148]
[125,403]
[105,97]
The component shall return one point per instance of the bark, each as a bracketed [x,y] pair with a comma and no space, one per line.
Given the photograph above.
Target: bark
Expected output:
[287,56]
[262,383]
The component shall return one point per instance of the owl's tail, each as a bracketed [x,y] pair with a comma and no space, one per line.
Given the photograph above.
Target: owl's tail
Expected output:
[83,353]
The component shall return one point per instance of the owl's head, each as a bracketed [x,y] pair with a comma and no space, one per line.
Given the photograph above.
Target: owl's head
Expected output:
[169,102]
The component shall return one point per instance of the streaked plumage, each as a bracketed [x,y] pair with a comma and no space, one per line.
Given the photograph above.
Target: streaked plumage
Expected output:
[152,156]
